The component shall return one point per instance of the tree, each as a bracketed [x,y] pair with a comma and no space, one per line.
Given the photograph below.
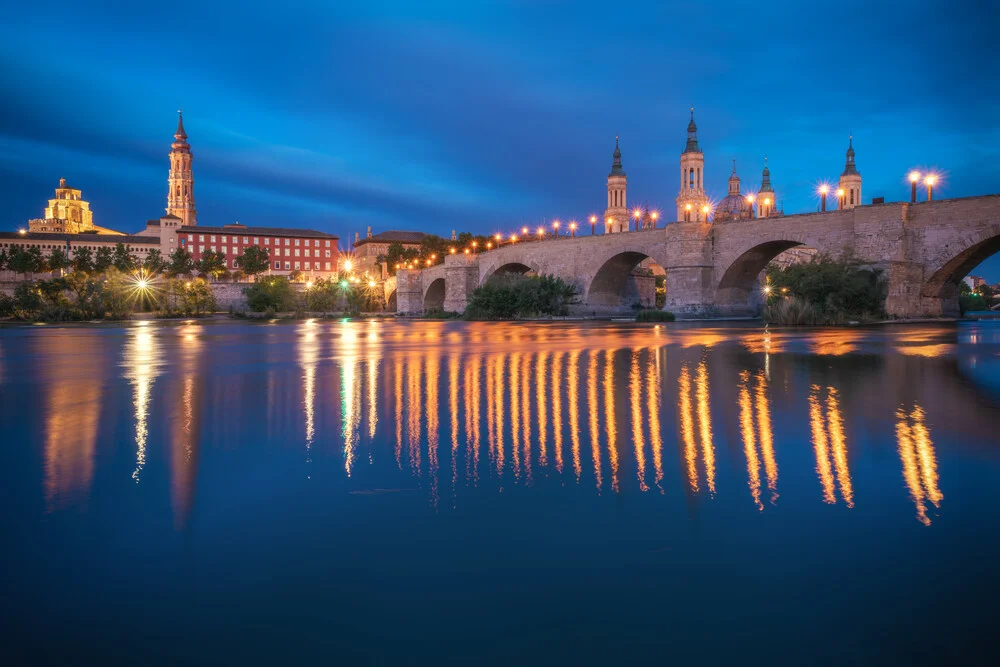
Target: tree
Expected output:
[273,294]
[83,260]
[59,260]
[154,262]
[212,264]
[26,261]
[180,263]
[122,258]
[254,261]
[3,260]
[103,258]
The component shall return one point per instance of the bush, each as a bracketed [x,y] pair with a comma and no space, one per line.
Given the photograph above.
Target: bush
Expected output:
[186,297]
[824,291]
[516,297]
[655,316]
[271,295]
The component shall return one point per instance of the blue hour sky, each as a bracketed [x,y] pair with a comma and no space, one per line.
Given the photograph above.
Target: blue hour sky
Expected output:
[484,116]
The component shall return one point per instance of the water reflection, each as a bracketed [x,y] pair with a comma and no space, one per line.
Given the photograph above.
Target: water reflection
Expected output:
[512,409]
[142,360]
[916,451]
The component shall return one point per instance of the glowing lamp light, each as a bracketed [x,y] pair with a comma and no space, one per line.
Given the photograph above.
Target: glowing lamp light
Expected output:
[489,245]
[541,231]
[466,251]
[498,237]
[750,198]
[451,250]
[914,176]
[524,230]
[704,209]
[840,192]
[348,265]
[428,262]
[142,283]
[655,215]
[931,179]
[309,285]
[767,289]
[434,256]
[513,238]
[371,283]
[823,189]
[343,283]
[767,201]
[687,207]
[636,213]
[593,219]
[22,231]
[572,225]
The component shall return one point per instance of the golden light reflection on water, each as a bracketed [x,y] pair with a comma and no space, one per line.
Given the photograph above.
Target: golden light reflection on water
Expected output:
[574,410]
[541,391]
[653,402]
[142,361]
[610,423]
[557,418]
[705,425]
[309,359]
[749,439]
[916,451]
[635,400]
[186,426]
[830,445]
[595,436]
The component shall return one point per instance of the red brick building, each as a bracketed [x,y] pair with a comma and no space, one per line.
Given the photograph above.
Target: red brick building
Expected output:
[311,252]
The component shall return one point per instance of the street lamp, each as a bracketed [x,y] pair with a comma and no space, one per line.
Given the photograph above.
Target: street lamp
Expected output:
[654,216]
[541,233]
[593,224]
[607,225]
[451,250]
[572,228]
[524,230]
[687,212]
[914,179]
[823,189]
[637,214]
[840,198]
[555,226]
[930,181]
[513,238]
[704,210]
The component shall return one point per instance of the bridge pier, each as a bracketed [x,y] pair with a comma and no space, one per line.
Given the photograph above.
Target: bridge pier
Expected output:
[904,299]
[409,292]
[461,279]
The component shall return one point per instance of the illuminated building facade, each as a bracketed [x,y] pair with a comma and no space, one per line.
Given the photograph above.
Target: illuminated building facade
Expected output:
[368,249]
[616,216]
[67,213]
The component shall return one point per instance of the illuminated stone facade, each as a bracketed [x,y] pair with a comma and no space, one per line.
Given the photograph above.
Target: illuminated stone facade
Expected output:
[180,182]
[616,215]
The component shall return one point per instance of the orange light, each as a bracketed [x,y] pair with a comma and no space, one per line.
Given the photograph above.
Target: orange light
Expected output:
[636,213]
[931,179]
[524,230]
[767,201]
[489,245]
[704,209]
[593,219]
[840,192]
[541,231]
[433,256]
[750,198]
[655,215]
[428,262]
[466,251]
[498,237]
[572,225]
[512,238]
[823,189]
[914,176]
[451,250]
[687,207]
[555,225]
[474,244]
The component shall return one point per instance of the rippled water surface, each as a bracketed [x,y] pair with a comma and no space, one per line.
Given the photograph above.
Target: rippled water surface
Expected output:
[381,492]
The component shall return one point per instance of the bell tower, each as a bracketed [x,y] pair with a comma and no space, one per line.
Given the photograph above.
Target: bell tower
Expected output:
[180,183]
[765,198]
[691,200]
[850,180]
[616,215]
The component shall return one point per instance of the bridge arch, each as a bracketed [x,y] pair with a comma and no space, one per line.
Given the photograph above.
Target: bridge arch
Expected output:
[944,280]
[391,302]
[508,266]
[434,294]
[615,286]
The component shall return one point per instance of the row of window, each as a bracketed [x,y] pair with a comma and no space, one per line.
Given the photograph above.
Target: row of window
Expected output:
[256,240]
[276,251]
[308,266]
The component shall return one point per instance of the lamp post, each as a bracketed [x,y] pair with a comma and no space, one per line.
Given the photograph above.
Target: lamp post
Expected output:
[914,179]
[840,198]
[607,225]
[541,233]
[823,189]
[750,201]
[555,227]
[637,214]
[572,228]
[687,213]
[930,181]
[593,224]
[704,211]
[654,216]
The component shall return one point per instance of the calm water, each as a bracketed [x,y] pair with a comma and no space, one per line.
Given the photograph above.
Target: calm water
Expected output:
[448,493]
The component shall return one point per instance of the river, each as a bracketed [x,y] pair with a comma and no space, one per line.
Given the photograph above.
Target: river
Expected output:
[422,492]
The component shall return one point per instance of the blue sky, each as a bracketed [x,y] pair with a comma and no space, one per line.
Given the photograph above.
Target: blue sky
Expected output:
[484,116]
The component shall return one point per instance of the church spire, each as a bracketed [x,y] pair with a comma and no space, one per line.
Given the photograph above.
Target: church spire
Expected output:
[180,181]
[765,178]
[616,165]
[180,136]
[692,142]
[849,168]
[734,181]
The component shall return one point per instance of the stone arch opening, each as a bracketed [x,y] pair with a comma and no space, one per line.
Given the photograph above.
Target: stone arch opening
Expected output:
[390,304]
[622,284]
[737,287]
[434,296]
[510,269]
[944,284]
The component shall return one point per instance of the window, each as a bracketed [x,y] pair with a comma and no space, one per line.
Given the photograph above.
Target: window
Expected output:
[327,254]
[171,240]
[328,266]
[852,195]
[213,238]
[225,251]
[327,245]
[307,243]
[288,265]
[234,263]
[277,252]
[296,266]
[190,237]
[267,241]
[296,241]
[201,249]
[201,237]
[246,240]
[296,252]
[277,265]
[286,242]
[307,266]
[256,240]
[307,252]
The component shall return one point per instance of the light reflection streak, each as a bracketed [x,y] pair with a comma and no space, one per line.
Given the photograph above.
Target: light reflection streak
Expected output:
[635,399]
[574,409]
[474,407]
[526,414]
[515,412]
[766,435]
[142,361]
[542,408]
[309,359]
[823,468]
[839,446]
[705,425]
[186,429]
[609,415]
[916,451]
[595,445]
[830,445]
[373,366]
[397,386]
[350,391]
[413,370]
[453,363]
[749,439]
[433,425]
[653,401]
[498,397]
[557,418]
[686,421]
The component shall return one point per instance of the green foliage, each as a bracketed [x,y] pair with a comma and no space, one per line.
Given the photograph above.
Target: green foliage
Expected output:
[83,260]
[274,294]
[4,257]
[321,297]
[154,262]
[6,305]
[180,263]
[27,260]
[178,296]
[212,264]
[58,260]
[654,316]
[661,292]
[254,261]
[515,297]
[824,291]
[103,258]
[122,258]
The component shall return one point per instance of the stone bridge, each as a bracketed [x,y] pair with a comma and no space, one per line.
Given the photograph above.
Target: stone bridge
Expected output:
[712,269]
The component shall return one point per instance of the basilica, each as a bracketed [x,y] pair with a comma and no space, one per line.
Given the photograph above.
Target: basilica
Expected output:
[693,202]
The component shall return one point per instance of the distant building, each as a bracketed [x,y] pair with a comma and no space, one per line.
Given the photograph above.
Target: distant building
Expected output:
[68,213]
[974,282]
[616,215]
[368,249]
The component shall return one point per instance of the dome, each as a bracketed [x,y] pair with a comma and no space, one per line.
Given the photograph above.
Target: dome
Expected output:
[733,207]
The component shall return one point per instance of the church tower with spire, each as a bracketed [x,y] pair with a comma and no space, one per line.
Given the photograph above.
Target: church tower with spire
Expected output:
[765,198]
[850,180]
[616,215]
[691,200]
[180,183]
